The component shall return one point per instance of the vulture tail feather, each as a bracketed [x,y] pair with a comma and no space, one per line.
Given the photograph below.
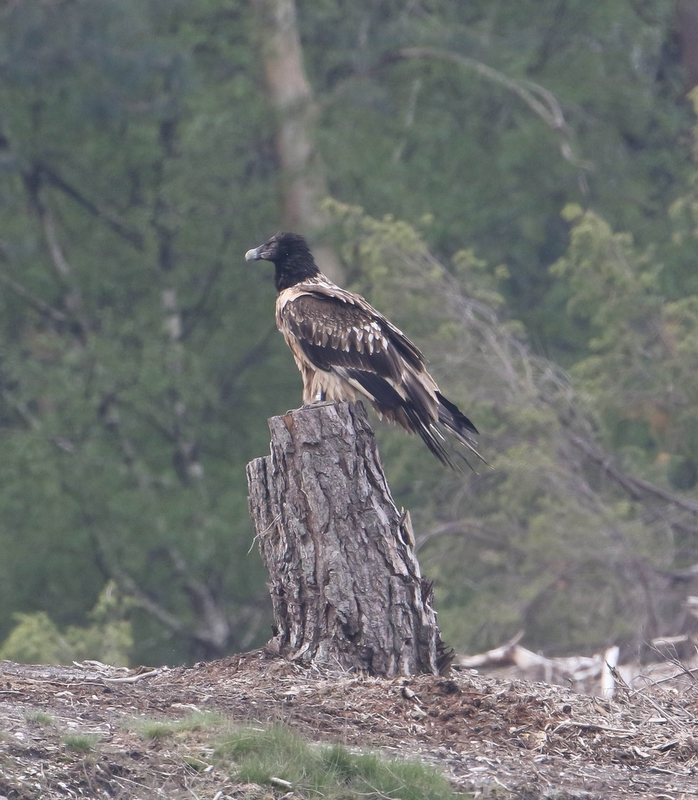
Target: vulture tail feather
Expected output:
[452,418]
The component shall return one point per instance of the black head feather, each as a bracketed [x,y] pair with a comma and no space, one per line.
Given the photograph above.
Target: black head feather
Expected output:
[290,254]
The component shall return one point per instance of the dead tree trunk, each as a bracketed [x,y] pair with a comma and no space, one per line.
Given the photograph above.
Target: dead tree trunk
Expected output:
[345,583]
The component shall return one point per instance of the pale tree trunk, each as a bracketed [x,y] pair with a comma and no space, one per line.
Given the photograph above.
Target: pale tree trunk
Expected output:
[687,32]
[345,584]
[303,185]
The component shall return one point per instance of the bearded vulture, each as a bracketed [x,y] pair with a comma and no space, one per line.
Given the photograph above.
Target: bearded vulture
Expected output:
[342,346]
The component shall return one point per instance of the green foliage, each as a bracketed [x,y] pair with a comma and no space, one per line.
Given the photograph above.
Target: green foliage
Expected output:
[543,542]
[614,293]
[80,742]
[39,718]
[125,438]
[640,375]
[260,756]
[35,639]
[161,729]
[451,136]
[138,357]
[682,472]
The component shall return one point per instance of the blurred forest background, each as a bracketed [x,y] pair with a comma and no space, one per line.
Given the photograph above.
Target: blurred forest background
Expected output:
[513,182]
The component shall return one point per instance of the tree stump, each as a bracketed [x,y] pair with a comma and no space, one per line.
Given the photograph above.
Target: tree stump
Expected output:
[345,584]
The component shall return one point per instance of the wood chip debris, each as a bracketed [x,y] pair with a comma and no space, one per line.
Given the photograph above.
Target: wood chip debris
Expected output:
[490,735]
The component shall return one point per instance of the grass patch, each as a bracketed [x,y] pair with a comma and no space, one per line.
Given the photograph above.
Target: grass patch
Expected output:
[39,718]
[278,757]
[161,729]
[197,764]
[80,742]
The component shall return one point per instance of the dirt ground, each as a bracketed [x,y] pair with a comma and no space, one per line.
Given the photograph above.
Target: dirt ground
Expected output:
[494,738]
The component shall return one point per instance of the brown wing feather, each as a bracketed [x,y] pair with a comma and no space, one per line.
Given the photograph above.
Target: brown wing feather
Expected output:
[341,344]
[334,305]
[335,334]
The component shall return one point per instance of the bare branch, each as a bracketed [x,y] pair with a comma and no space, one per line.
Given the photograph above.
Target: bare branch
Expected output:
[22,409]
[73,300]
[637,488]
[54,248]
[133,237]
[73,297]
[35,302]
[111,568]
[251,357]
[128,585]
[539,99]
[213,628]
[192,316]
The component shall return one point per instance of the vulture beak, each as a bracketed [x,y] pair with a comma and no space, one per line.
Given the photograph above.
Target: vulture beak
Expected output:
[252,255]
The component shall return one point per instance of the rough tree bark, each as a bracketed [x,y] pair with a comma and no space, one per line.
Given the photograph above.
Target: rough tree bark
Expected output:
[344,580]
